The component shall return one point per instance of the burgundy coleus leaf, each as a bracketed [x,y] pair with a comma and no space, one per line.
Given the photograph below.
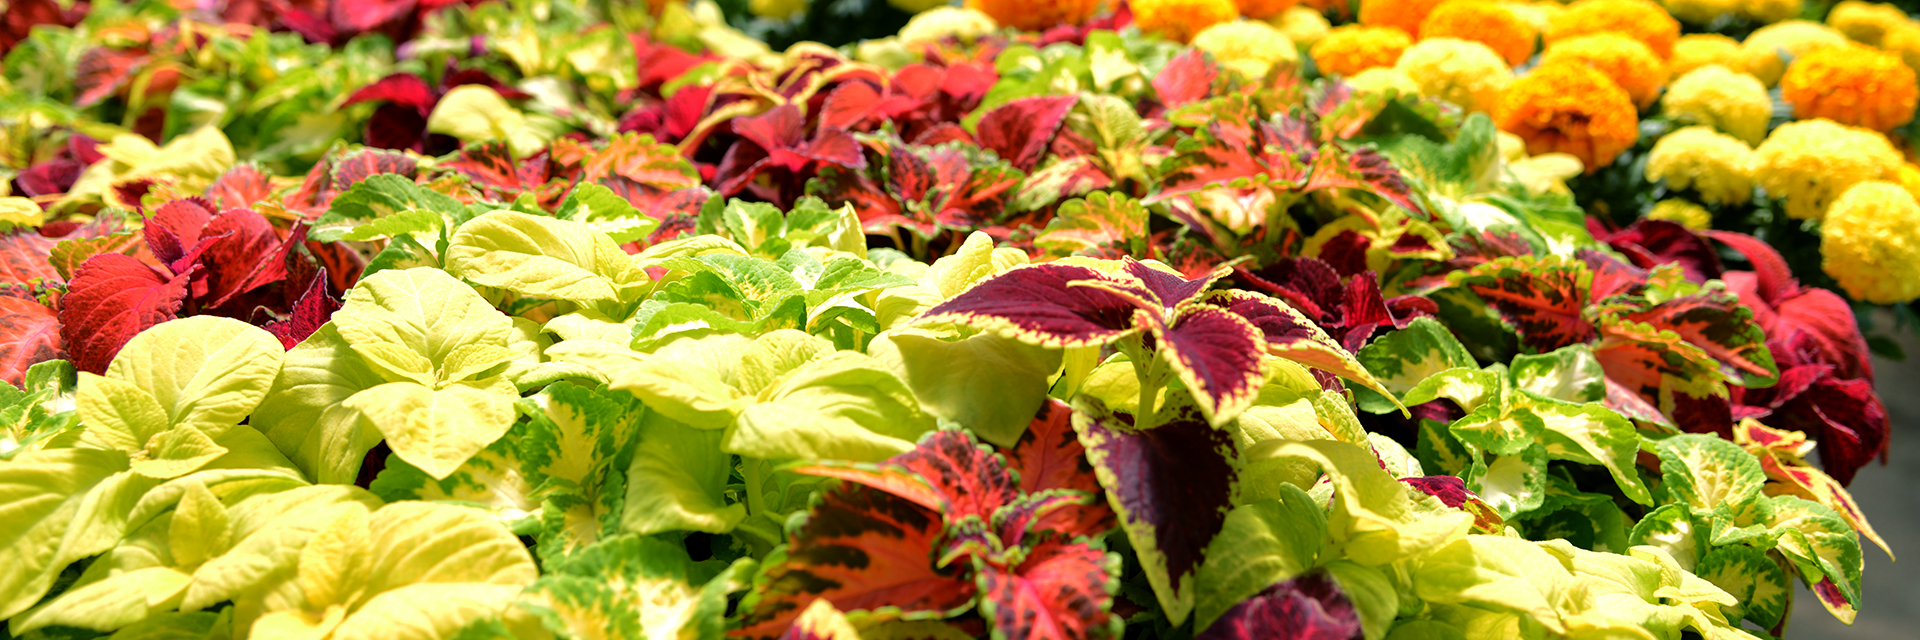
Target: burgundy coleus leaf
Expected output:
[1783,308]
[1352,311]
[1307,607]
[29,335]
[1216,353]
[1061,591]
[309,313]
[102,71]
[240,187]
[1021,130]
[776,141]
[1543,299]
[112,297]
[350,169]
[670,120]
[1291,335]
[948,472]
[1171,485]
[1049,457]
[1187,78]
[173,231]
[1649,242]
[1453,492]
[50,178]
[23,15]
[254,256]
[859,549]
[1042,305]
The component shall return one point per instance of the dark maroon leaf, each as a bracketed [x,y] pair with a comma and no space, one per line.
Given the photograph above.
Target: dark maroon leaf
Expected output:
[314,308]
[1649,242]
[1346,252]
[1038,303]
[1308,607]
[1217,354]
[53,177]
[394,126]
[1452,491]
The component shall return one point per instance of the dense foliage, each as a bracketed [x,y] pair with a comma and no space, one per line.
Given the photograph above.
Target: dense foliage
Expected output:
[1030,320]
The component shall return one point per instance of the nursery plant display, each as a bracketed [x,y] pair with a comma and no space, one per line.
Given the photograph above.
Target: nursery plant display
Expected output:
[1395,319]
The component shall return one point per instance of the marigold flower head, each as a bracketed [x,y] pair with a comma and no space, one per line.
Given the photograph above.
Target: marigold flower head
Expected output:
[947,21]
[1462,72]
[1639,19]
[1769,11]
[1303,25]
[1488,23]
[1628,62]
[1904,41]
[1697,50]
[1760,52]
[1866,22]
[1721,98]
[1870,243]
[1176,20]
[1264,9]
[1811,162]
[1909,178]
[1701,11]
[1687,214]
[1536,14]
[1569,108]
[1381,79]
[1856,85]
[1351,49]
[1404,15]
[1036,15]
[1251,48]
[1717,165]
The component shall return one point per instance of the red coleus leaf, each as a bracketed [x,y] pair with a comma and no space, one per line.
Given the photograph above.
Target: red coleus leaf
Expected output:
[637,157]
[1021,130]
[491,166]
[1650,368]
[360,16]
[396,127]
[1542,299]
[1649,242]
[29,335]
[1216,353]
[240,187]
[777,141]
[1042,305]
[350,169]
[1187,78]
[254,255]
[1783,307]
[102,71]
[1308,607]
[111,298]
[947,472]
[1236,147]
[853,105]
[1049,457]
[660,62]
[403,89]
[1368,170]
[23,258]
[859,549]
[53,177]
[313,309]
[1059,592]
[1290,334]
[1452,491]
[23,15]
[173,232]
[1351,312]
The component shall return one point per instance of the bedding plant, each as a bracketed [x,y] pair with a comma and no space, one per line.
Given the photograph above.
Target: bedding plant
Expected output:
[847,319]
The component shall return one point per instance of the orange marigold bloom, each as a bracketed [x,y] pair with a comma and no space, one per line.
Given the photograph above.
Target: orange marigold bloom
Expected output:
[1760,52]
[1854,85]
[1488,23]
[1178,20]
[1628,62]
[1351,49]
[1640,19]
[1028,15]
[1569,108]
[1404,15]
[1263,9]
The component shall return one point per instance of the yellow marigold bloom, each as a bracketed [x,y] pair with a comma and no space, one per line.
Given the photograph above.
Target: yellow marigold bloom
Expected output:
[1697,50]
[1904,40]
[1628,62]
[1569,108]
[1404,15]
[1870,243]
[1036,15]
[1264,9]
[1721,98]
[1856,85]
[1909,178]
[1760,53]
[1381,79]
[1251,48]
[1866,22]
[1488,23]
[1536,14]
[1353,48]
[1811,162]
[1176,20]
[1639,19]
[1717,165]
[947,21]
[1701,11]
[1689,215]
[1462,72]
[1769,11]
[1303,25]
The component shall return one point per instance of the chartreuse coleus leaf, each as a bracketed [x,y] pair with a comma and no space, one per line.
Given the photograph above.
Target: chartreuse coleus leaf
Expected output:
[543,257]
[490,479]
[764,230]
[635,587]
[1260,543]
[474,113]
[1375,519]
[388,206]
[678,480]
[41,411]
[607,212]
[61,504]
[1403,358]
[951,377]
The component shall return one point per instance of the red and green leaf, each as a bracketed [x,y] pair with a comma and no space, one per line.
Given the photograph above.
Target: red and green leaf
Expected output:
[1049,457]
[1665,372]
[1061,591]
[1453,492]
[1040,305]
[240,187]
[29,335]
[1541,298]
[948,472]
[1187,78]
[1723,328]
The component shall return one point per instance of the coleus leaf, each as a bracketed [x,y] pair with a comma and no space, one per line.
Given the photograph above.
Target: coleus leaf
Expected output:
[309,312]
[240,187]
[1021,130]
[1452,491]
[1290,335]
[1660,370]
[1217,355]
[1542,298]
[1187,78]
[1721,327]
[1060,591]
[1040,305]
[1049,457]
[1780,454]
[948,472]
[112,297]
[1103,225]
[1308,607]
[29,335]
[1649,242]
[1783,307]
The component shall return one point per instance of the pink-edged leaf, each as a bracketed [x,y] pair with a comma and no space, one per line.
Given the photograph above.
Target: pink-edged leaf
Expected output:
[1834,599]
[49,178]
[1779,453]
[1452,491]
[1049,457]
[111,298]
[1649,242]
[352,168]
[29,335]
[1721,327]
[859,549]
[1061,591]
[1307,607]
[240,187]
[1038,304]
[1187,78]
[1021,130]
[102,71]
[948,472]
[313,309]
[403,89]
[1217,354]
[1542,298]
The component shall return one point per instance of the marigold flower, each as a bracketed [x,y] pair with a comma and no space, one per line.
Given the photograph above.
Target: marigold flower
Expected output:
[1701,11]
[1303,25]
[1904,40]
[1760,52]
[1353,48]
[1909,178]
[1717,165]
[1251,48]
[1404,15]
[1870,243]
[1176,20]
[1628,62]
[1488,23]
[1381,79]
[1865,22]
[1536,14]
[1569,108]
[1721,98]
[1462,72]
[1036,15]
[1811,162]
[1687,214]
[1696,50]
[1639,19]
[947,21]
[1856,85]
[1264,9]
[1769,11]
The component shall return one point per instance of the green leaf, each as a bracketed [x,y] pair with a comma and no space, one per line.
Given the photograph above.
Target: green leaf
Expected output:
[688,379]
[409,324]
[206,371]
[542,257]
[474,113]
[678,480]
[303,413]
[438,429]
[118,600]
[1592,434]
[1098,223]
[635,587]
[1261,543]
[1498,574]
[606,212]
[49,499]
[1756,581]
[361,209]
[1512,484]
[1374,520]
[268,532]
[1569,373]
[1403,358]
[989,384]
[1375,597]
[1707,473]
[119,414]
[846,406]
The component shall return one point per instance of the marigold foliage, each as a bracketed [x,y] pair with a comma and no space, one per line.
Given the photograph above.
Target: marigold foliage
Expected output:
[1811,162]
[1178,20]
[1696,50]
[1350,49]
[1488,23]
[1718,97]
[1569,108]
[1251,48]
[1870,243]
[1719,166]
[1769,11]
[1405,15]
[1760,52]
[1701,12]
[1462,72]
[1855,85]
[1626,61]
[1639,19]
[1036,15]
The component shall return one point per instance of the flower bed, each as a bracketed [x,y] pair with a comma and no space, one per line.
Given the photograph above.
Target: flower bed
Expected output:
[1185,319]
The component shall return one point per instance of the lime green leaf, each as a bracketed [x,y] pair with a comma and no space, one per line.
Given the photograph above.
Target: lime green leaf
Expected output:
[110,603]
[1468,387]
[303,414]
[408,323]
[1671,529]
[199,529]
[177,452]
[362,212]
[542,257]
[688,379]
[846,406]
[268,532]
[1498,574]
[1708,473]
[474,113]
[1374,520]
[678,480]
[437,429]
[1512,484]
[989,384]
[1570,373]
[1592,434]
[635,587]
[204,370]
[1402,358]
[1261,543]
[1374,596]
[607,212]
[119,414]
[47,499]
